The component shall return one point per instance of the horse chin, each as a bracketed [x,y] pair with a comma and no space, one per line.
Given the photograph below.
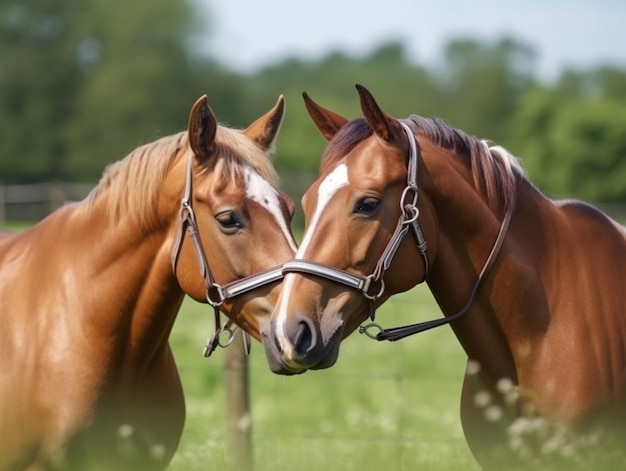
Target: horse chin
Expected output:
[329,359]
[277,366]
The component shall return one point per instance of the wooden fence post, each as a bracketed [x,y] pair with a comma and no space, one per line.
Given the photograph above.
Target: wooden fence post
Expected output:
[239,419]
[56,196]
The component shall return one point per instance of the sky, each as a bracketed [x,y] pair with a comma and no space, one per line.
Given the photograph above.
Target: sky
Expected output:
[246,36]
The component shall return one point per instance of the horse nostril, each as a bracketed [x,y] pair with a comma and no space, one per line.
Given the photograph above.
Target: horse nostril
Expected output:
[304,337]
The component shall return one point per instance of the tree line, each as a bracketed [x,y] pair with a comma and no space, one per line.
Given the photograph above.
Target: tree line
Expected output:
[82,84]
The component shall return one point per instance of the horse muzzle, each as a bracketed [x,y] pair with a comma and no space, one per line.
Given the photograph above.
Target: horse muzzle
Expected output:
[300,345]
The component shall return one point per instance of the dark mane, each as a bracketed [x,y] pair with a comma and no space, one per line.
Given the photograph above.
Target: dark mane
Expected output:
[494,170]
[344,141]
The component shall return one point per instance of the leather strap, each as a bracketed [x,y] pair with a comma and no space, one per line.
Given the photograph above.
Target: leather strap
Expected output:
[372,286]
[393,334]
[215,293]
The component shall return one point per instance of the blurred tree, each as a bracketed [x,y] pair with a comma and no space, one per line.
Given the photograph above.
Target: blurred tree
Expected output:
[574,147]
[483,83]
[399,86]
[83,83]
[591,141]
[137,80]
[39,74]
[612,81]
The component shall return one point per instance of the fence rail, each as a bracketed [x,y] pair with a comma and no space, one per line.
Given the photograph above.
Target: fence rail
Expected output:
[35,201]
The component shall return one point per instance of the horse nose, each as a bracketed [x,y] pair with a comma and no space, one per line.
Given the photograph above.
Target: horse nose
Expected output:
[296,342]
[303,337]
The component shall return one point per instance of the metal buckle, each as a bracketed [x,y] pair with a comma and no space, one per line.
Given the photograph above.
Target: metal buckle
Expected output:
[405,193]
[186,211]
[366,287]
[215,340]
[218,291]
[410,213]
[367,330]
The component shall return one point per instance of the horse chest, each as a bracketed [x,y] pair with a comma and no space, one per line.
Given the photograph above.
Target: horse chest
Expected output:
[77,417]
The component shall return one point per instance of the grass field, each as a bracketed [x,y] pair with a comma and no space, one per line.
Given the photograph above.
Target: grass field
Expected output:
[390,406]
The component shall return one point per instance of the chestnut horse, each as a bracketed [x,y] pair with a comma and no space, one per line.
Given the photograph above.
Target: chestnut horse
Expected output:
[88,296]
[533,289]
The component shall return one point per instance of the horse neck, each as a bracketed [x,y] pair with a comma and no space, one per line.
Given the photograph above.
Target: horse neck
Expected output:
[467,230]
[130,279]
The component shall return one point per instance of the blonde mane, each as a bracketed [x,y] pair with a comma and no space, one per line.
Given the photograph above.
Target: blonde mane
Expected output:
[133,183]
[235,151]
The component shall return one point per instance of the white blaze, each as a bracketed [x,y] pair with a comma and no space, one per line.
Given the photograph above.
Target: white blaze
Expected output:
[260,190]
[335,180]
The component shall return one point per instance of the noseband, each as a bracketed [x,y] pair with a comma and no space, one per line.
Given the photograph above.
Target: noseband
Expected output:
[372,286]
[215,293]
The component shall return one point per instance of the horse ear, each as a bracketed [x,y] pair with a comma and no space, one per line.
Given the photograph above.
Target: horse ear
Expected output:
[328,122]
[202,128]
[265,129]
[384,125]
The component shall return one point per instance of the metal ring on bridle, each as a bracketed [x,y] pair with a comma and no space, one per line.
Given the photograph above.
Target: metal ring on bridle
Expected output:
[368,283]
[415,212]
[405,193]
[186,210]
[229,340]
[367,330]
[216,289]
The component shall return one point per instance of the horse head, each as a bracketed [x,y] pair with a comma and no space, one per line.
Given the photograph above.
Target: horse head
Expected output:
[232,233]
[356,216]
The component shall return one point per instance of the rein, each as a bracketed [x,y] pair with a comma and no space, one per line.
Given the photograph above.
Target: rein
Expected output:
[372,286]
[397,333]
[215,293]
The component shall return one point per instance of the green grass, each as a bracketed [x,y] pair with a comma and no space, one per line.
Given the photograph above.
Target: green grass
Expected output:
[390,406]
[382,406]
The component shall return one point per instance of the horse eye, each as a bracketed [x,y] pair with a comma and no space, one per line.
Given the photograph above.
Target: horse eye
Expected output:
[366,206]
[229,222]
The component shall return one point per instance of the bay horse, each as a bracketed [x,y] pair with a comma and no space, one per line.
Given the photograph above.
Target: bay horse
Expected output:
[88,296]
[534,289]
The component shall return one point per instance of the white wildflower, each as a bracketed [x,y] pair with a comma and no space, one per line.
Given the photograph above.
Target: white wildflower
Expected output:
[125,430]
[493,413]
[157,451]
[482,399]
[473,368]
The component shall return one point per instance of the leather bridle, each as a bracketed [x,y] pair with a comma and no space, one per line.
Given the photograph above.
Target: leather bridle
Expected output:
[215,293]
[372,286]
